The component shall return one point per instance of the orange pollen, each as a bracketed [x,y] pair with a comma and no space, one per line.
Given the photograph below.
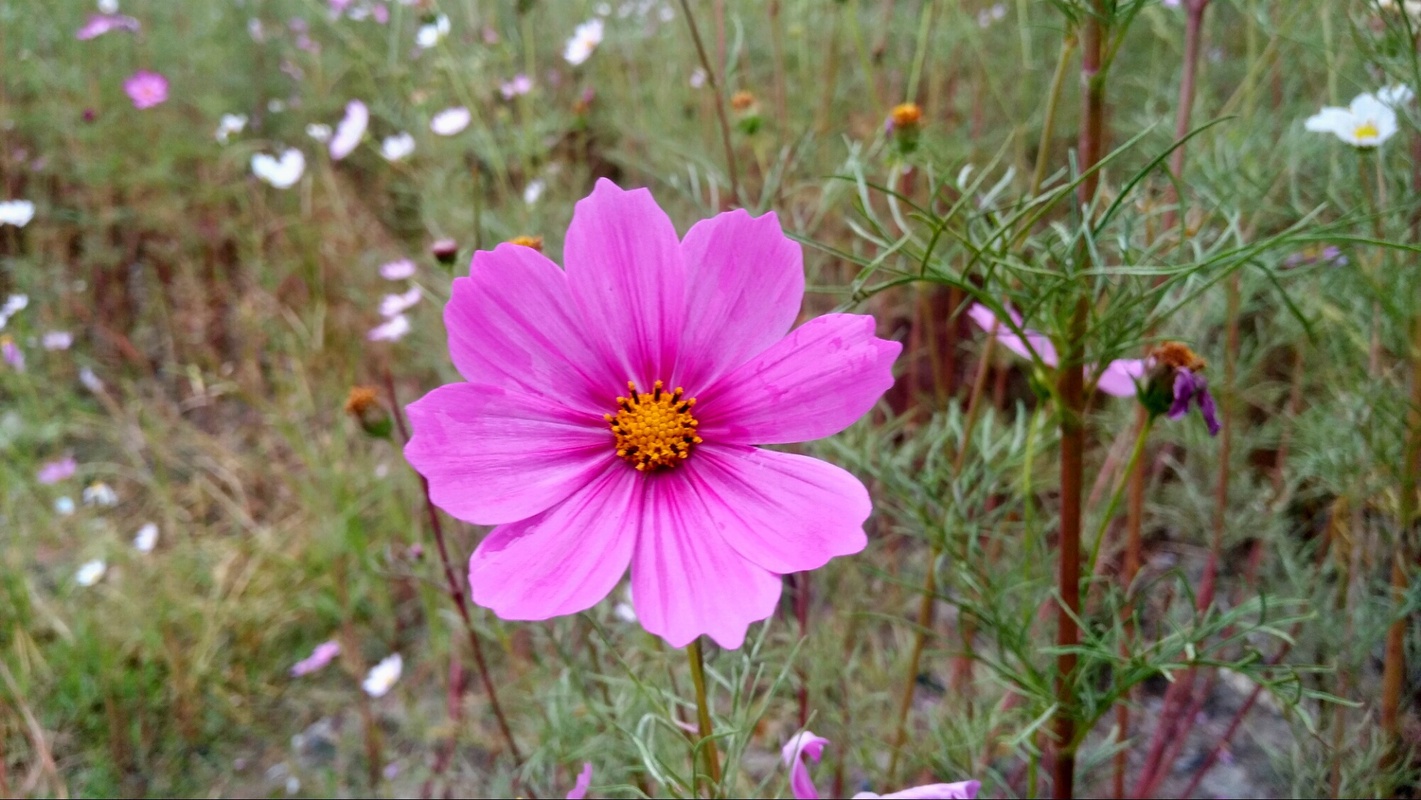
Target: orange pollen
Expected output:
[654,430]
[906,115]
[1178,356]
[742,100]
[535,242]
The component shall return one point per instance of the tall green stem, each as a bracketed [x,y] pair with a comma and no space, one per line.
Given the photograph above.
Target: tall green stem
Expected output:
[703,718]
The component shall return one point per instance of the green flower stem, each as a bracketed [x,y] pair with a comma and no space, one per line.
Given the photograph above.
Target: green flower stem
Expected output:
[1119,492]
[703,718]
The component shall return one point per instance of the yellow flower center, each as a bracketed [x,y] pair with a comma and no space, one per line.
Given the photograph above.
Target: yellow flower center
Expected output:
[1366,131]
[655,430]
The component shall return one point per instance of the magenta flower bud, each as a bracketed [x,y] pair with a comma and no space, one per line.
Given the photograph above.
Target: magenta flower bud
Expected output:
[445,250]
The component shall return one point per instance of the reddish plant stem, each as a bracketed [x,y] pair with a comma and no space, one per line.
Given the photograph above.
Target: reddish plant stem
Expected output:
[1130,568]
[456,591]
[1184,109]
[718,90]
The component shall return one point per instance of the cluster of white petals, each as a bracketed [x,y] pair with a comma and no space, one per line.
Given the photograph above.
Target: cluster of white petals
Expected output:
[1368,121]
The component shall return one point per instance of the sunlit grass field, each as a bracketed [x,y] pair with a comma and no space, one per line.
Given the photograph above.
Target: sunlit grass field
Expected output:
[1246,614]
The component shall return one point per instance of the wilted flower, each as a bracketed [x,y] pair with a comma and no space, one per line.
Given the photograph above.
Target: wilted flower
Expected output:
[391,330]
[430,33]
[584,40]
[56,471]
[320,657]
[350,130]
[444,250]
[584,782]
[904,126]
[12,354]
[363,404]
[17,213]
[90,572]
[680,492]
[281,173]
[1368,122]
[394,304]
[147,538]
[449,121]
[397,147]
[397,270]
[383,676]
[519,85]
[100,494]
[806,744]
[146,89]
[1175,382]
[230,124]
[533,191]
[100,24]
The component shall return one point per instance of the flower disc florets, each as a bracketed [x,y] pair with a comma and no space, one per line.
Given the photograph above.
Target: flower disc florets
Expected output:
[655,430]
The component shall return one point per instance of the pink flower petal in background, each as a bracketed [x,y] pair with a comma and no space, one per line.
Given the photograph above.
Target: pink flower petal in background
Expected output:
[56,471]
[584,782]
[350,130]
[962,790]
[319,658]
[1119,377]
[800,746]
[146,89]
[100,24]
[397,270]
[1011,340]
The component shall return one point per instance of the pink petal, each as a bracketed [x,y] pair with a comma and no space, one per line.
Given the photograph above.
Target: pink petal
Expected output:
[801,745]
[1009,339]
[813,383]
[1120,376]
[784,512]
[512,322]
[625,270]
[686,581]
[744,284]
[566,559]
[495,455]
[319,658]
[962,790]
[584,782]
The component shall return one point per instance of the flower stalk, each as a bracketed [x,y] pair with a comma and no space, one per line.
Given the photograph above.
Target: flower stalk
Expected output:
[706,745]
[712,76]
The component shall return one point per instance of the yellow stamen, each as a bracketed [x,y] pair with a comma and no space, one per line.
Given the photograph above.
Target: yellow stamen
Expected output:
[654,430]
[906,115]
[1366,131]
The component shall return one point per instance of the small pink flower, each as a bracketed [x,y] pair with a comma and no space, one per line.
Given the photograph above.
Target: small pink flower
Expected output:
[584,782]
[100,24]
[801,785]
[1121,377]
[394,304]
[350,130]
[12,354]
[1117,379]
[391,330]
[380,13]
[56,471]
[146,89]
[520,84]
[612,415]
[397,270]
[324,653]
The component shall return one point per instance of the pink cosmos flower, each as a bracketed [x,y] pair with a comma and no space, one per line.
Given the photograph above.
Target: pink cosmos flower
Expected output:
[324,653]
[584,782]
[397,270]
[56,471]
[392,329]
[99,24]
[146,89]
[520,84]
[801,785]
[612,410]
[350,130]
[1118,378]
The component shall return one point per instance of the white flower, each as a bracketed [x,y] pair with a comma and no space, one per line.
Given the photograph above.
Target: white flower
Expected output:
[146,538]
[57,340]
[100,494]
[450,121]
[533,191]
[1367,122]
[14,304]
[397,147]
[698,77]
[90,380]
[281,173]
[391,330]
[431,33]
[624,610]
[584,40]
[276,105]
[1398,95]
[254,29]
[319,131]
[17,213]
[397,270]
[350,130]
[64,506]
[230,124]
[383,675]
[90,572]
[108,6]
[396,304]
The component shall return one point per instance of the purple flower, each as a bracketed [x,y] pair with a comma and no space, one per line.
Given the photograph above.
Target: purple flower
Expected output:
[573,433]
[100,24]
[147,89]
[12,354]
[801,785]
[584,782]
[56,471]
[520,84]
[1024,344]
[324,653]
[1190,387]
